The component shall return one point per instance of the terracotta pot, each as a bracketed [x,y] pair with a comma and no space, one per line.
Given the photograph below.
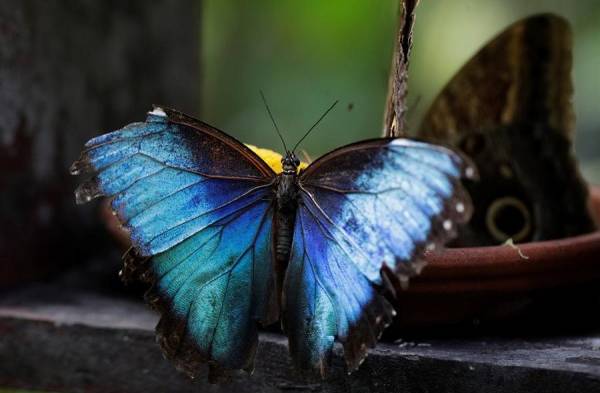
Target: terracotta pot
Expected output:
[502,282]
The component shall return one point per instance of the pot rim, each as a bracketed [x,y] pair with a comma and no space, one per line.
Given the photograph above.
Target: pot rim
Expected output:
[527,265]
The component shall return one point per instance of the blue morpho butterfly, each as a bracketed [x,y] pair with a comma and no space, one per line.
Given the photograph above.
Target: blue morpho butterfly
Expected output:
[228,244]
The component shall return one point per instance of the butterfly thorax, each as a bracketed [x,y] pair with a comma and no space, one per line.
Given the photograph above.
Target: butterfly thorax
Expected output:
[287,185]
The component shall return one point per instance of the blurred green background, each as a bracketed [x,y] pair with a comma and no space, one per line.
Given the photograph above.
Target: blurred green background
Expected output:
[306,54]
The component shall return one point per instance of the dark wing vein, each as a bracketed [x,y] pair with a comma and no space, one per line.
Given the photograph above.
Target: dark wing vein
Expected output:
[342,230]
[312,268]
[215,209]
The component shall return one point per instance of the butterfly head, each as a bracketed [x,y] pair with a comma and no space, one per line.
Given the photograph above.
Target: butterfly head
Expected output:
[290,163]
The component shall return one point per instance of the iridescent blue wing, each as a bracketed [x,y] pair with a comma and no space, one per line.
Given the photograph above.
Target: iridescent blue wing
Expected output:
[199,210]
[362,206]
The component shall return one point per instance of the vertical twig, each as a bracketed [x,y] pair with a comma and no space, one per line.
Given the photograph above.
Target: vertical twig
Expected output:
[394,119]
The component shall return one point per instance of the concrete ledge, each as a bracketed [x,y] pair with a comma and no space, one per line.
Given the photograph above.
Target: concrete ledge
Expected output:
[78,341]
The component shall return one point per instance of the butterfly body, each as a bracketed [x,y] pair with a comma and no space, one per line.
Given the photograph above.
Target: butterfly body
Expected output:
[228,244]
[286,196]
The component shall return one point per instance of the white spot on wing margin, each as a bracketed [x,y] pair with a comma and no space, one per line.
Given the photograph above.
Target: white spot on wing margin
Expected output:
[158,111]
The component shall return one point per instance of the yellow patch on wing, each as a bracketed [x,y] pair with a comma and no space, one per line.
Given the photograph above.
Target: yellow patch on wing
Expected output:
[273,159]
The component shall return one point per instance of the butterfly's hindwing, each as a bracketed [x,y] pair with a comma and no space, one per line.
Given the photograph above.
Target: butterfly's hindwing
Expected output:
[327,297]
[362,206]
[213,290]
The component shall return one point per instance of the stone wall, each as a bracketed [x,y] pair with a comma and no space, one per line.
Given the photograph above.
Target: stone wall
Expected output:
[68,70]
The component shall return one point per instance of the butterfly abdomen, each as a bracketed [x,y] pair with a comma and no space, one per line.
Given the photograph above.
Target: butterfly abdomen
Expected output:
[287,203]
[285,225]
[286,195]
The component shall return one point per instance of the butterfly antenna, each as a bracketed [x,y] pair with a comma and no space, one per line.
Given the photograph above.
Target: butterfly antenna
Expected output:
[273,119]
[316,124]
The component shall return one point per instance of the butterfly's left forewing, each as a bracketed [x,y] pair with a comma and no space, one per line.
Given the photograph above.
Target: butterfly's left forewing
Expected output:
[362,206]
[199,209]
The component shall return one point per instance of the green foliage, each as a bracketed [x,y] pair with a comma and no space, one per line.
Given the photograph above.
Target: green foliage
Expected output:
[306,54]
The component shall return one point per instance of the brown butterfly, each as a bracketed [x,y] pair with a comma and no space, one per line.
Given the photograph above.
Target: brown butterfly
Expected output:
[510,109]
